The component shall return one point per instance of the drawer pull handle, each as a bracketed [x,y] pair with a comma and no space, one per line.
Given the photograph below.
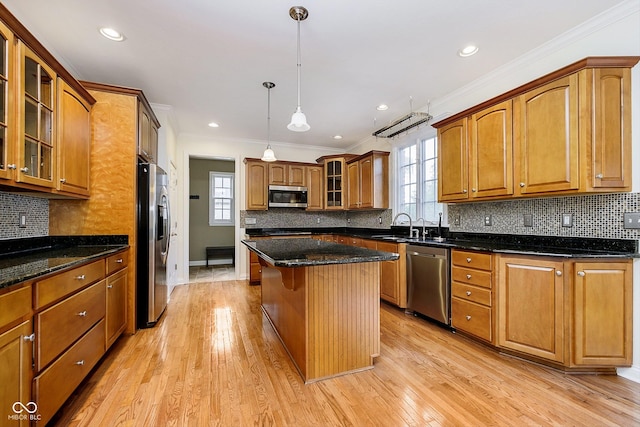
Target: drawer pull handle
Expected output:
[468,293]
[80,277]
[83,313]
[109,286]
[468,259]
[581,273]
[468,276]
[80,362]
[468,317]
[31,337]
[119,260]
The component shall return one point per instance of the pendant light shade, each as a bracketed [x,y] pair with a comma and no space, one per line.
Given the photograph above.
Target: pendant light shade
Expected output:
[298,119]
[269,155]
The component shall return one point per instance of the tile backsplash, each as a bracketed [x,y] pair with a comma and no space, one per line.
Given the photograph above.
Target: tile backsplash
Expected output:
[37,214]
[594,215]
[298,218]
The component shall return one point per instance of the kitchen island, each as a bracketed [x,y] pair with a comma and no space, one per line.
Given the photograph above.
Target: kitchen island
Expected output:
[323,301]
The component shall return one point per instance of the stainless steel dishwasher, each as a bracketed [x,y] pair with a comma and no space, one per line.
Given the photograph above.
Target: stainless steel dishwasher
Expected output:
[428,284]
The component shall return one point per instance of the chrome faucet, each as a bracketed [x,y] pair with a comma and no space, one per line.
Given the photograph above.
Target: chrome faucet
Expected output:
[424,232]
[410,222]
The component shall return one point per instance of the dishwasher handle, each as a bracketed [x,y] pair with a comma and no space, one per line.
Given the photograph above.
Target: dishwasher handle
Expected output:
[423,255]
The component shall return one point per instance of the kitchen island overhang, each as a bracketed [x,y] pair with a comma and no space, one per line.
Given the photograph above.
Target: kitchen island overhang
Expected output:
[323,301]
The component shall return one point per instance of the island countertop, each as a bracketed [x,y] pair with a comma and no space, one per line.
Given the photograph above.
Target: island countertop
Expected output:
[310,252]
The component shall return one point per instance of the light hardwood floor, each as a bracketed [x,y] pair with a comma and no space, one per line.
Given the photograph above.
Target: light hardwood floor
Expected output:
[214,360]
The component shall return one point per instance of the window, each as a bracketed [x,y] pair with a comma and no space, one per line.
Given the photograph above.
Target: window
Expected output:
[221,198]
[418,179]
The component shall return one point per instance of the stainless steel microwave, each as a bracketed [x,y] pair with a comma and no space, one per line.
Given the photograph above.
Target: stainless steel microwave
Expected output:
[285,196]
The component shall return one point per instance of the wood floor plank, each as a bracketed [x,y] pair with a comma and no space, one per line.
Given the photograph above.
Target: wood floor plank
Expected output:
[214,360]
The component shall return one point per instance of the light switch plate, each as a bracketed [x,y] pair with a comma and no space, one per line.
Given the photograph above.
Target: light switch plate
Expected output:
[22,220]
[456,220]
[632,220]
[528,220]
[567,220]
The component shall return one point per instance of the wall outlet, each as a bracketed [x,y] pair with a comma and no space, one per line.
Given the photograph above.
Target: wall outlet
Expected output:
[318,220]
[379,220]
[567,220]
[632,220]
[22,220]
[250,221]
[528,220]
[487,220]
[456,219]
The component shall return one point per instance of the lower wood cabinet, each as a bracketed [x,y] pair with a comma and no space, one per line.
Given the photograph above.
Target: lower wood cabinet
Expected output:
[16,350]
[116,302]
[575,315]
[472,293]
[393,274]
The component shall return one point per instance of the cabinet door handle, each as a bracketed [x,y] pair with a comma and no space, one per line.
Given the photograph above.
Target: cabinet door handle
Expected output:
[31,337]
[599,176]
[558,273]
[63,180]
[464,191]
[12,166]
[468,259]
[80,362]
[109,286]
[81,277]
[468,317]
[83,313]
[522,184]
[24,169]
[581,273]
[119,261]
[468,276]
[473,190]
[468,293]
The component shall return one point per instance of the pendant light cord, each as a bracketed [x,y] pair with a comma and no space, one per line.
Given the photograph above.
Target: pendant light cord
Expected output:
[268,117]
[299,62]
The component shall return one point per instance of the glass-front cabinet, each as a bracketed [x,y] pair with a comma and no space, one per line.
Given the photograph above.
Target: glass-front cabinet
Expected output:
[7,166]
[334,194]
[37,145]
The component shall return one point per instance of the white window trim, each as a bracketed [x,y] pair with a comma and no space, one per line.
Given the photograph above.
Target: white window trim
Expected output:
[231,221]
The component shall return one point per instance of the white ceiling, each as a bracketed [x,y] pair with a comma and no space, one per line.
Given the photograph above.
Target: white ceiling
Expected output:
[207,59]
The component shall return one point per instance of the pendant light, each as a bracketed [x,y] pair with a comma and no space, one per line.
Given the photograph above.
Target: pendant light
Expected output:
[298,119]
[269,155]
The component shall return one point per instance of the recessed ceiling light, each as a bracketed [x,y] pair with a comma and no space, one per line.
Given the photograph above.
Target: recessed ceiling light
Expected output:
[468,51]
[382,107]
[112,34]
[213,125]
[337,137]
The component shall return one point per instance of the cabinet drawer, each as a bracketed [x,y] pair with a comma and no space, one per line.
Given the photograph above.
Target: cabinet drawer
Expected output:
[15,305]
[56,287]
[471,293]
[53,386]
[59,326]
[469,275]
[117,262]
[478,260]
[472,318]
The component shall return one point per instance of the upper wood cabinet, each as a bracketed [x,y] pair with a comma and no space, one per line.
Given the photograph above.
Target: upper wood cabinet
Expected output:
[7,103]
[74,142]
[334,182]
[44,118]
[147,132]
[36,109]
[257,173]
[453,161]
[491,152]
[281,173]
[315,187]
[564,133]
[546,122]
[368,181]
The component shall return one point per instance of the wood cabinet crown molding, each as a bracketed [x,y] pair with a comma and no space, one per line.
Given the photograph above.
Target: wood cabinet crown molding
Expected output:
[29,39]
[589,62]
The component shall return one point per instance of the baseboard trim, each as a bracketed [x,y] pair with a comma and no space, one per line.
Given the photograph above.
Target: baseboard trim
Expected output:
[632,373]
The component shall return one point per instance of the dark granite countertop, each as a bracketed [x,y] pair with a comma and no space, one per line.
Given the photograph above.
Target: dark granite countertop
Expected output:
[564,247]
[309,252]
[26,259]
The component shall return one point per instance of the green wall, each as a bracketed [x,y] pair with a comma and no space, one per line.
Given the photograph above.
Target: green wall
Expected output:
[201,234]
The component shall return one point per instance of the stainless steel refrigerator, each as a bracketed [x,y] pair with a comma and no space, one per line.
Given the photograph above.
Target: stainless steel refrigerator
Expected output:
[152,244]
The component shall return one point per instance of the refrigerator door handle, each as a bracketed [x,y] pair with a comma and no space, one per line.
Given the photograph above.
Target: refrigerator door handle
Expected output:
[166,225]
